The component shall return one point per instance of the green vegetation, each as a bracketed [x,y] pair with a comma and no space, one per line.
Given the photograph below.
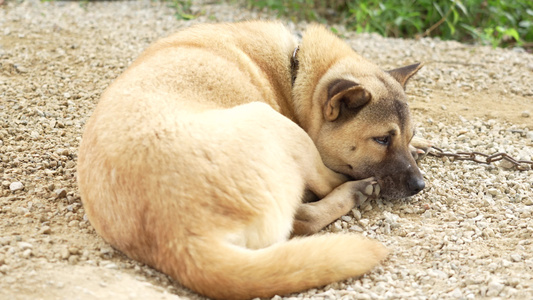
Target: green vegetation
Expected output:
[495,22]
[182,8]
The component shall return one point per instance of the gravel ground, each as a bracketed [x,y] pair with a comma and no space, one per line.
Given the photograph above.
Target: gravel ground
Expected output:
[467,235]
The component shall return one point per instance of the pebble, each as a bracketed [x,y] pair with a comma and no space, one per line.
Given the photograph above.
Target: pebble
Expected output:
[16,186]
[64,253]
[515,257]
[494,288]
[26,253]
[346,218]
[505,263]
[529,135]
[525,114]
[73,259]
[60,193]
[336,227]
[24,245]
[4,269]
[74,223]
[356,228]
[356,214]
[45,230]
[456,293]
[106,250]
[111,266]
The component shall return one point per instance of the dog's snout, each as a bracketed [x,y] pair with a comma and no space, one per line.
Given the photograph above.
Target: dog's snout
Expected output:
[416,184]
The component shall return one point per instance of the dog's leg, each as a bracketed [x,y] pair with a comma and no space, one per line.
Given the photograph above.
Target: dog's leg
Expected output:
[419,147]
[322,180]
[312,217]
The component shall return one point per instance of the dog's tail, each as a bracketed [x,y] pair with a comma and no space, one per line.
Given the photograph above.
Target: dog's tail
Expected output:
[226,271]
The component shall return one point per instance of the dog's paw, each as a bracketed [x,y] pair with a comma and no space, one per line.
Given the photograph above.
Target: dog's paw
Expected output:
[364,189]
[419,147]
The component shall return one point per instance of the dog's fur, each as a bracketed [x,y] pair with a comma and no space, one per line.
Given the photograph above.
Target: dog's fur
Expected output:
[197,157]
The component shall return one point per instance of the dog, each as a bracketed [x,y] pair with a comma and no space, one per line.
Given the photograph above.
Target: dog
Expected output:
[196,158]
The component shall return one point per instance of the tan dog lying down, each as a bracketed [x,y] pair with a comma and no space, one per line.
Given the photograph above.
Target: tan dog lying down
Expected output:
[196,159]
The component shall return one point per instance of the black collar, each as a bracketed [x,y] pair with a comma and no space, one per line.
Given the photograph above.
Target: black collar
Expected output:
[295,64]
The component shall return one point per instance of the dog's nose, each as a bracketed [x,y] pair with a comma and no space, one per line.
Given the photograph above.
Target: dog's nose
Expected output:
[416,184]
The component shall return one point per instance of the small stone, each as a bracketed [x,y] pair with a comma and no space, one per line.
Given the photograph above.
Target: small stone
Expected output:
[62,151]
[488,233]
[471,214]
[356,214]
[64,253]
[364,222]
[456,293]
[506,263]
[506,164]
[73,250]
[45,230]
[525,114]
[346,218]
[70,164]
[74,223]
[494,288]
[513,281]
[4,269]
[492,267]
[60,193]
[356,228]
[39,112]
[515,257]
[336,227]
[24,245]
[16,186]
[111,266]
[386,229]
[493,191]
[26,253]
[529,135]
[106,250]
[73,259]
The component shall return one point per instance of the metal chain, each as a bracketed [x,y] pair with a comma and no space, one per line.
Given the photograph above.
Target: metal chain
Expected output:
[483,158]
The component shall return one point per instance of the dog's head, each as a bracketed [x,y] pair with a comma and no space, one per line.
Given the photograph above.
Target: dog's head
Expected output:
[355,112]
[366,126]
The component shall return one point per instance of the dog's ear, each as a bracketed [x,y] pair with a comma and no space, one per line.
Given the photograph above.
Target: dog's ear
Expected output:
[344,92]
[403,74]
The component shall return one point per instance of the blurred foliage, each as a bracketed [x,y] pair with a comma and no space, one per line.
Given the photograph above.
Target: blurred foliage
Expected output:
[494,22]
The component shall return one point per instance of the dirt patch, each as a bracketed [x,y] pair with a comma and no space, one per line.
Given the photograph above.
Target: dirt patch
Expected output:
[468,235]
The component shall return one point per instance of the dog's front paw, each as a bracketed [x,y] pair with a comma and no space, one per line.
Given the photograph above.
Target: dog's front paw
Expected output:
[364,189]
[419,147]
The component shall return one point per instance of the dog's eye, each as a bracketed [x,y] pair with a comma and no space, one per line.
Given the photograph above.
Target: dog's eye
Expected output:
[383,140]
